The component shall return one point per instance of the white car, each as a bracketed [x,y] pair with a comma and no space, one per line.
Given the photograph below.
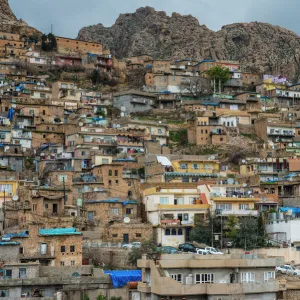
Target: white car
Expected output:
[132,245]
[286,269]
[214,251]
[202,252]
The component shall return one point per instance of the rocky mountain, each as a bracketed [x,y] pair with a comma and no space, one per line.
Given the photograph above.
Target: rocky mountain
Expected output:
[260,47]
[10,23]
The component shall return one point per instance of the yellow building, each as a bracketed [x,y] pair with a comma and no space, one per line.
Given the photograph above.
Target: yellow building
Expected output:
[201,165]
[8,189]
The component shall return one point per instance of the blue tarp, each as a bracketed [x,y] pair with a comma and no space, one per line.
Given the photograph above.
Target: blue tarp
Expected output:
[295,210]
[9,243]
[59,231]
[121,278]
[12,235]
[10,114]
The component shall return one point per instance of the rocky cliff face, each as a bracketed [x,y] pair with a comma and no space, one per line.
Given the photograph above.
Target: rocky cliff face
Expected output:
[259,47]
[9,22]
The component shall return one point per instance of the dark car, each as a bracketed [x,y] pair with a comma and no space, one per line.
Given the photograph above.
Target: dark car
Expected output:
[167,250]
[187,248]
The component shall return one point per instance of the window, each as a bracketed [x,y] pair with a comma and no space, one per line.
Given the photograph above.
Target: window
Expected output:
[7,274]
[224,206]
[185,217]
[244,206]
[72,248]
[21,250]
[3,293]
[204,278]
[44,112]
[195,166]
[109,182]
[62,249]
[164,200]
[115,211]
[72,93]
[138,235]
[62,263]
[183,166]
[109,172]
[247,277]
[185,179]
[105,160]
[177,277]
[34,207]
[47,128]
[31,112]
[6,187]
[83,153]
[180,231]
[42,95]
[114,235]
[116,172]
[129,211]
[62,178]
[117,181]
[72,262]
[269,275]
[178,201]
[46,205]
[22,273]
[193,200]
[167,231]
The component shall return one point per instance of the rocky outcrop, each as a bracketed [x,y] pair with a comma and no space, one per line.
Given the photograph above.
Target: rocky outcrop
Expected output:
[258,46]
[9,22]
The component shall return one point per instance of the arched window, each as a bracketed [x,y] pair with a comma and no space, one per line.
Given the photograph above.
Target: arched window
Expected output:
[167,232]
[174,231]
[180,231]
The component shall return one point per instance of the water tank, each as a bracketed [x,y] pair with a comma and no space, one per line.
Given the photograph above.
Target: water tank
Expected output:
[43,249]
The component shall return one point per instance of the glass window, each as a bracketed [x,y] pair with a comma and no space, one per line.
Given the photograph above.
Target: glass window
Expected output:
[247,277]
[62,249]
[183,166]
[180,231]
[167,231]
[269,275]
[62,178]
[224,206]
[174,231]
[109,172]
[177,277]
[4,293]
[204,278]
[195,166]
[72,248]
[164,200]
[244,206]
[115,211]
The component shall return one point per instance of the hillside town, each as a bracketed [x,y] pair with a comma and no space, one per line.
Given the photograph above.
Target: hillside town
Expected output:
[143,177]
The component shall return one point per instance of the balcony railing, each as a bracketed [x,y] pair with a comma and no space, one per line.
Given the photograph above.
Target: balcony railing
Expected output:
[240,212]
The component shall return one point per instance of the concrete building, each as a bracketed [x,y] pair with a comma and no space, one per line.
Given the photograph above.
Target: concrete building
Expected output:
[211,277]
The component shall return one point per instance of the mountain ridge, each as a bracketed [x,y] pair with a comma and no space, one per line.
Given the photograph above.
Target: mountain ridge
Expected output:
[260,47]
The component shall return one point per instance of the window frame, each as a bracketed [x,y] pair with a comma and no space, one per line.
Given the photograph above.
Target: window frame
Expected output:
[248,277]
[175,277]
[210,277]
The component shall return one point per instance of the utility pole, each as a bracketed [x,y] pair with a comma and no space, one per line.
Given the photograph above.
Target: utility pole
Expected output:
[64,190]
[212,232]
[4,211]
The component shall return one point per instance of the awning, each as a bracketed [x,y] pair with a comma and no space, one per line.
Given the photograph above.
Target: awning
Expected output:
[164,161]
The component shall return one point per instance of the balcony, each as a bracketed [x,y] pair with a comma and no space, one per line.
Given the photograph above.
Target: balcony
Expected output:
[144,288]
[240,213]
[102,142]
[183,207]
[282,133]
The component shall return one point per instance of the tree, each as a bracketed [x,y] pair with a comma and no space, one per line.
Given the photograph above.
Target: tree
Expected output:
[148,247]
[101,297]
[196,87]
[231,227]
[85,297]
[219,75]
[49,42]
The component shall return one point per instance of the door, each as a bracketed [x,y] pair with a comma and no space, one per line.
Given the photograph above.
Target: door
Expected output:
[55,208]
[90,216]
[125,238]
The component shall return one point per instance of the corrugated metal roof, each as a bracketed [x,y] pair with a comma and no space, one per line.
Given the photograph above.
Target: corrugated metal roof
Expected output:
[59,231]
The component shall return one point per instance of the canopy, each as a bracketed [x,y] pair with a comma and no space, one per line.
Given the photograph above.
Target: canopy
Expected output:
[121,278]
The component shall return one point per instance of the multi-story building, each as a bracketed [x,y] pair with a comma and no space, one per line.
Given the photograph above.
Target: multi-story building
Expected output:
[173,210]
[213,277]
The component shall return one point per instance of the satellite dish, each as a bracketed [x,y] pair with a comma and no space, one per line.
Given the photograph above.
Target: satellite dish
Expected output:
[126,220]
[6,148]
[81,124]
[290,144]
[42,154]
[245,184]
[243,161]
[236,182]
[15,198]
[230,181]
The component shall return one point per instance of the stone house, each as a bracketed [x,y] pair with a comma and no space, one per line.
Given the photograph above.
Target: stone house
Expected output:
[56,246]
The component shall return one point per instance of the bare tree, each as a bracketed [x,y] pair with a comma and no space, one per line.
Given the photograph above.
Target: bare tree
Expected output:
[196,87]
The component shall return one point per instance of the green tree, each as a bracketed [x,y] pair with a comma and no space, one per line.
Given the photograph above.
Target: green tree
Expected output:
[148,247]
[231,227]
[85,297]
[204,229]
[101,297]
[116,298]
[49,42]
[219,75]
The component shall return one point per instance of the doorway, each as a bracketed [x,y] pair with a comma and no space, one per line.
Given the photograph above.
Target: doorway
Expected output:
[125,238]
[55,208]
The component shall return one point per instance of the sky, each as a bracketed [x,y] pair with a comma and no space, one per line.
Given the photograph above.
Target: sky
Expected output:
[69,16]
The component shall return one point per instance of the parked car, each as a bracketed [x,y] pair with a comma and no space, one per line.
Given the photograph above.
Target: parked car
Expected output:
[132,245]
[167,250]
[203,252]
[286,269]
[214,251]
[187,247]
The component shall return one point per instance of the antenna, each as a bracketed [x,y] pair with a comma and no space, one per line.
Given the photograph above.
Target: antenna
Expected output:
[52,28]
